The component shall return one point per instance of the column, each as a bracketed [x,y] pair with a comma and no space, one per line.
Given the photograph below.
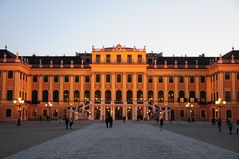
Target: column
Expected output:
[220,85]
[92,92]
[51,88]
[197,95]
[101,112]
[113,87]
[71,88]
[124,110]
[82,93]
[234,87]
[40,88]
[16,84]
[4,85]
[103,87]
[134,88]
[209,88]
[124,87]
[176,88]
[186,82]
[29,88]
[155,81]
[61,89]
[166,88]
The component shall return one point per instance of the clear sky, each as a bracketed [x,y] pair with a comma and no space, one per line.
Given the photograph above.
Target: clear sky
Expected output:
[174,27]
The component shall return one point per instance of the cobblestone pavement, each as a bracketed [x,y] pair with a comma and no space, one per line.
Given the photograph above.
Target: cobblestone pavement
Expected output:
[130,140]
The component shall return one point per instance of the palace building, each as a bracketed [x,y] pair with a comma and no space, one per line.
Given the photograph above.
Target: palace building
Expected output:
[119,81]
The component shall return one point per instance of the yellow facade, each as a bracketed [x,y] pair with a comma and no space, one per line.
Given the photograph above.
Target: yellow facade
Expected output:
[122,82]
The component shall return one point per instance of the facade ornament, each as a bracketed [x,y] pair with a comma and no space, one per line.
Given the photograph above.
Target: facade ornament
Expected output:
[40,63]
[232,60]
[196,63]
[155,63]
[175,64]
[72,64]
[165,64]
[220,59]
[186,64]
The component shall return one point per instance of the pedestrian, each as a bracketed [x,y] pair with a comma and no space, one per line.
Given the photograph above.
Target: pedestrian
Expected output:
[161,123]
[18,122]
[124,118]
[111,121]
[219,125]
[237,126]
[40,119]
[107,121]
[230,126]
[71,122]
[66,122]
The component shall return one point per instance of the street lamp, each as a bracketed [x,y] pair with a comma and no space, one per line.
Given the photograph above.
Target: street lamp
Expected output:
[218,102]
[48,105]
[189,106]
[18,103]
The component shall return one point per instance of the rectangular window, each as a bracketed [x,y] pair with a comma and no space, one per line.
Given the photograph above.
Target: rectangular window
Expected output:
[9,95]
[216,76]
[140,78]
[129,78]
[191,78]
[97,78]
[228,96]
[87,78]
[238,96]
[8,112]
[118,77]
[181,79]
[56,78]
[10,74]
[107,58]
[118,58]
[140,60]
[202,79]
[160,79]
[34,78]
[20,75]
[150,79]
[129,58]
[108,78]
[237,75]
[45,78]
[203,114]
[229,114]
[227,75]
[170,79]
[66,78]
[97,59]
[181,114]
[77,79]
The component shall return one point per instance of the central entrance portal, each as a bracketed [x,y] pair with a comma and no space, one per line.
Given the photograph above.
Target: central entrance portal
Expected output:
[118,113]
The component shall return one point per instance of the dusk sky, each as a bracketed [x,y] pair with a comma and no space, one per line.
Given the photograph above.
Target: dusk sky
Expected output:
[174,27]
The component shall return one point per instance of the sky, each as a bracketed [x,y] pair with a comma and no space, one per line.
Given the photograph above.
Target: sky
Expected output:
[174,27]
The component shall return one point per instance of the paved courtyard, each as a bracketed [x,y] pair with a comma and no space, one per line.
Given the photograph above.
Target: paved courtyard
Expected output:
[129,140]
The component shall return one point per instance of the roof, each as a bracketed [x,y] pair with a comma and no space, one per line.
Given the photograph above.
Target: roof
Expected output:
[228,55]
[8,54]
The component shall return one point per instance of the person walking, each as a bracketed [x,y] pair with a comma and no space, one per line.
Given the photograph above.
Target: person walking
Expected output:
[124,118]
[107,121]
[161,123]
[66,122]
[18,122]
[219,125]
[237,126]
[230,126]
[111,121]
[40,119]
[71,122]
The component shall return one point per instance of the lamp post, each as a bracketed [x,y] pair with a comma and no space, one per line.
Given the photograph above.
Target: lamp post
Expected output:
[48,105]
[18,103]
[189,106]
[218,106]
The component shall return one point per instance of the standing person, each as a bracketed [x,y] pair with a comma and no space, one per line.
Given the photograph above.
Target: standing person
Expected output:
[124,118]
[161,123]
[18,122]
[219,125]
[237,126]
[71,122]
[66,122]
[107,121]
[40,119]
[230,126]
[111,121]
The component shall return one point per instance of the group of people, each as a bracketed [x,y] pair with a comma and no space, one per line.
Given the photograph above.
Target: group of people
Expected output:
[109,121]
[229,125]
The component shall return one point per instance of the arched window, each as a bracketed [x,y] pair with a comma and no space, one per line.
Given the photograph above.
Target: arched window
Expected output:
[192,96]
[171,96]
[55,96]
[140,78]
[76,96]
[202,97]
[160,96]
[45,96]
[181,96]
[118,96]
[129,96]
[140,96]
[97,96]
[87,96]
[66,96]
[108,96]
[34,97]
[150,97]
